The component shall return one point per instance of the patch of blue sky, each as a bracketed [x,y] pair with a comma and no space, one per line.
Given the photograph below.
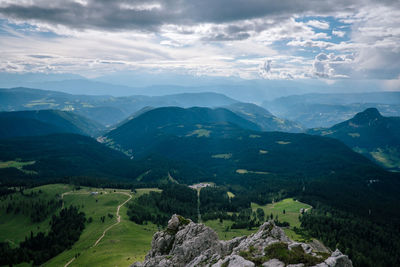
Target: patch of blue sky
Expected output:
[334,25]
[305,52]
[5,28]
[14,29]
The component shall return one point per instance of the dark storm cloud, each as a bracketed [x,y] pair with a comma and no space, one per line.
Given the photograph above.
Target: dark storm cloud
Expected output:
[123,14]
[96,14]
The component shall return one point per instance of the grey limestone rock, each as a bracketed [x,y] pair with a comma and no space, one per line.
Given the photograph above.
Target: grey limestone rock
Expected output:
[273,263]
[185,243]
[337,259]
[234,261]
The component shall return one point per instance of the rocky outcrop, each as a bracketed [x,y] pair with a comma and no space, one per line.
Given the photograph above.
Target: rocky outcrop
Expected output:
[185,243]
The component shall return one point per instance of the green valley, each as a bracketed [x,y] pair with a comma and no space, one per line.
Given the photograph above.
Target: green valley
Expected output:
[123,239]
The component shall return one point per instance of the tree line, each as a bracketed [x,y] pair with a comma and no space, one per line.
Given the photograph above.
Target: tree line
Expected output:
[66,229]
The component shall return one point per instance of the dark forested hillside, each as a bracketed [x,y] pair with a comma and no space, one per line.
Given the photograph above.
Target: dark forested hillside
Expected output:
[261,162]
[59,155]
[42,122]
[141,133]
[371,134]
[262,117]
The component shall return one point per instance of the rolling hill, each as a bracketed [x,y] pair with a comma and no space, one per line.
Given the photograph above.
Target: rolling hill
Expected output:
[371,134]
[262,117]
[214,148]
[148,129]
[43,122]
[213,136]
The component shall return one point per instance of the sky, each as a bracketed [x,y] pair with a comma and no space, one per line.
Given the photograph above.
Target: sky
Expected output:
[354,40]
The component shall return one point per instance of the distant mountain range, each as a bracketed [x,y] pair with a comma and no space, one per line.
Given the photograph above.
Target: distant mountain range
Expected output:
[370,134]
[143,125]
[158,84]
[326,110]
[107,110]
[110,111]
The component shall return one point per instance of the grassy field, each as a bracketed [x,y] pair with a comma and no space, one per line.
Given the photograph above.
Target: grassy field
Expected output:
[126,242]
[221,229]
[14,227]
[18,165]
[230,194]
[388,157]
[243,171]
[291,215]
[292,212]
[123,244]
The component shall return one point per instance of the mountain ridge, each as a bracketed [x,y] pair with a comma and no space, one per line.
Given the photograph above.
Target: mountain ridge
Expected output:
[371,134]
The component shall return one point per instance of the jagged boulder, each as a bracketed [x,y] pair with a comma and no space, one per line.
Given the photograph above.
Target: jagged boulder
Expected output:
[185,243]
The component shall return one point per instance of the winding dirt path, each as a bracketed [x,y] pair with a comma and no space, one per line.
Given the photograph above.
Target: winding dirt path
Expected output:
[108,228]
[68,263]
[118,218]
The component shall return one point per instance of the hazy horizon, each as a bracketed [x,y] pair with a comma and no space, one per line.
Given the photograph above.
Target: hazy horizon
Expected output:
[313,46]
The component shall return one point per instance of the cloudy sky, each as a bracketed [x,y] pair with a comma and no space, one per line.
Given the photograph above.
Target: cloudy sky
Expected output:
[250,39]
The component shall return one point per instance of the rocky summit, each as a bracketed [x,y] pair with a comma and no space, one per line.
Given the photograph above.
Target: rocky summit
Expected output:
[185,243]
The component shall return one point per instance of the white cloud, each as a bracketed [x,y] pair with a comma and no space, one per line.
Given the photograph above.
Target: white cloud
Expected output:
[250,43]
[318,24]
[337,33]
[267,66]
[331,66]
[377,41]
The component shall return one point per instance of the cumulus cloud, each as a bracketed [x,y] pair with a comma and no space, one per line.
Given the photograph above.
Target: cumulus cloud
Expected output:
[225,37]
[331,66]
[378,38]
[318,24]
[280,70]
[338,33]
[267,66]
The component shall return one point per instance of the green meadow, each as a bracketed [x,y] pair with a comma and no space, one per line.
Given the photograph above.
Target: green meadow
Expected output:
[125,242]
[291,215]
[14,227]
[122,244]
[287,210]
